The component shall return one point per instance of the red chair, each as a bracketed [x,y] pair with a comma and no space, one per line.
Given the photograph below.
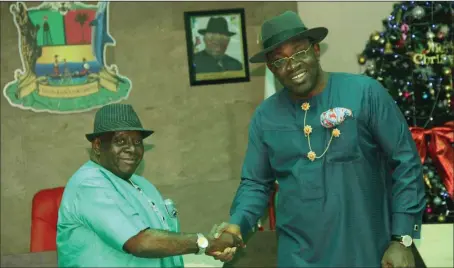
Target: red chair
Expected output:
[45,207]
[271,211]
[272,207]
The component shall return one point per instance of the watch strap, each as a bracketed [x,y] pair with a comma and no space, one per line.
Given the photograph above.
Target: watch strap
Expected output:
[396,238]
[405,240]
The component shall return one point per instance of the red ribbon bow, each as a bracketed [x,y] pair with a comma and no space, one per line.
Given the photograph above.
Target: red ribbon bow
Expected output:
[439,149]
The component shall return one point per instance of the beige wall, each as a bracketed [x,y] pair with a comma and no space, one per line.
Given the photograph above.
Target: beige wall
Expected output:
[350,25]
[200,134]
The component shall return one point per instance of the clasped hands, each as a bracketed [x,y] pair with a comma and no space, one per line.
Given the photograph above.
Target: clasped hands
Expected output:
[224,239]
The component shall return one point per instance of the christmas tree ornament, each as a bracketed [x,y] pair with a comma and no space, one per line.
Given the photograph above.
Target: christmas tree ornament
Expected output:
[447,71]
[371,72]
[400,43]
[444,59]
[388,48]
[361,59]
[427,181]
[404,28]
[370,65]
[418,12]
[443,31]
[448,87]
[393,37]
[399,16]
[375,36]
[430,35]
[441,218]
[437,200]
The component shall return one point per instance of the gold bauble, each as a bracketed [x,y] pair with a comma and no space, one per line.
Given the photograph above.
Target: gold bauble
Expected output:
[448,87]
[432,91]
[447,71]
[448,95]
[361,59]
[375,36]
[441,218]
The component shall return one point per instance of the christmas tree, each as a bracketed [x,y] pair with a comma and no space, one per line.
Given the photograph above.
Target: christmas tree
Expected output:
[413,58]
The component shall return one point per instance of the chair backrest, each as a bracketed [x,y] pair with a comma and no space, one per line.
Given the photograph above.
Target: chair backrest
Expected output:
[45,207]
[272,207]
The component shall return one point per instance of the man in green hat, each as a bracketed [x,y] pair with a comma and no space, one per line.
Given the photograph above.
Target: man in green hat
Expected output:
[350,177]
[111,217]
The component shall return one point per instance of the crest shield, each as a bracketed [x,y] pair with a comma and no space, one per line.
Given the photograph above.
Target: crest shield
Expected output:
[62,47]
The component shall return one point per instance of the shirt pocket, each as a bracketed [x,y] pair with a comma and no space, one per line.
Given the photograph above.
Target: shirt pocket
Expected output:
[346,147]
[172,215]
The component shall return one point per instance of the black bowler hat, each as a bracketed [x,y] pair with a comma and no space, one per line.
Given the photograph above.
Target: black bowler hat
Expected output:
[217,25]
[283,28]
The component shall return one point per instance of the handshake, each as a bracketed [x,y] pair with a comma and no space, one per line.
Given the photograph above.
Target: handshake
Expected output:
[223,241]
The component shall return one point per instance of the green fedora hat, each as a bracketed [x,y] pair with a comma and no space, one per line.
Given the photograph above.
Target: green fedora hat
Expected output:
[116,117]
[282,28]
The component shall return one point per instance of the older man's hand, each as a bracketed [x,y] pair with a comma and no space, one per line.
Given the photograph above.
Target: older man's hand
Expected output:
[220,232]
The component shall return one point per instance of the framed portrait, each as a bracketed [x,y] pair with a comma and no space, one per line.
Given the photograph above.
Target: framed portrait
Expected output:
[216,46]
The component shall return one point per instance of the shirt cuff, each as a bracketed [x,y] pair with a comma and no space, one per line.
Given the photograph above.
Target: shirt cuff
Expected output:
[403,224]
[241,221]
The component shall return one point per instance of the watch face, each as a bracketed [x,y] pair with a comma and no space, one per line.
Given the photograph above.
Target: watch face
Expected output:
[406,240]
[202,242]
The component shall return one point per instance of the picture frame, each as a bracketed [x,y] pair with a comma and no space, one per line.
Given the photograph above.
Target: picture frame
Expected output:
[216,46]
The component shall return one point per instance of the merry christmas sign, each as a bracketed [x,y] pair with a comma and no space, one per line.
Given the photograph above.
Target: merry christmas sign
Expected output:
[62,47]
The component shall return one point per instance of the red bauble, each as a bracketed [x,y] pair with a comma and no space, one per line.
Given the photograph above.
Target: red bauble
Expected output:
[400,43]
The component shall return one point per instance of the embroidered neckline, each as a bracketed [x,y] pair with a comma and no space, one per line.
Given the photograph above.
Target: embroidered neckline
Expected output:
[335,133]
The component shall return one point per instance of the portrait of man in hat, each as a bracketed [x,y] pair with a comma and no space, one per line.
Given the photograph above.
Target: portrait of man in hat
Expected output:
[351,190]
[111,217]
[216,37]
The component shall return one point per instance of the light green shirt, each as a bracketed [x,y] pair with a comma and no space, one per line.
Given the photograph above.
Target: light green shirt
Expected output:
[99,212]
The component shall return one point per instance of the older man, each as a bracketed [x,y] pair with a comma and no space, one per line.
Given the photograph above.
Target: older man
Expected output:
[350,180]
[213,58]
[111,217]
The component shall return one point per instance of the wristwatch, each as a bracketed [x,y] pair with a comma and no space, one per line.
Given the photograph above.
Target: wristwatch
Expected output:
[202,243]
[405,240]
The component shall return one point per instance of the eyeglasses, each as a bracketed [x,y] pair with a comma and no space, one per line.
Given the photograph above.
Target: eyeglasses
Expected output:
[298,57]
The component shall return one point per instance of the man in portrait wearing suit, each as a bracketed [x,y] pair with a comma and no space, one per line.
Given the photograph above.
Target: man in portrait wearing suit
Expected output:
[213,58]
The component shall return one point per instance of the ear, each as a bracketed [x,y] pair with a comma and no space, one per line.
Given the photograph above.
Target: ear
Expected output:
[96,146]
[270,66]
[317,50]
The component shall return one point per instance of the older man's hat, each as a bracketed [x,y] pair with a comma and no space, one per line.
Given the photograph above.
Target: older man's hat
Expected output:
[283,28]
[217,25]
[116,117]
